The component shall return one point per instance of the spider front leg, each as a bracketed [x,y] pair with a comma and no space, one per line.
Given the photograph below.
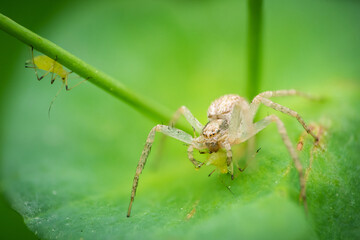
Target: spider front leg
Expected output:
[196,163]
[260,125]
[188,116]
[263,98]
[169,131]
[240,127]
[229,160]
[195,124]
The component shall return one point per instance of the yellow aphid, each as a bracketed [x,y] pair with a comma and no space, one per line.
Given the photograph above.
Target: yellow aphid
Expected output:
[49,65]
[45,63]
[218,159]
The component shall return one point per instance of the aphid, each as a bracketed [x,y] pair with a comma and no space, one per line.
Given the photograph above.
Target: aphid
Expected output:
[231,122]
[50,66]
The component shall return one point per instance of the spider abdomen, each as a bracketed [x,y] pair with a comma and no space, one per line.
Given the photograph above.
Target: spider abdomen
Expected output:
[221,108]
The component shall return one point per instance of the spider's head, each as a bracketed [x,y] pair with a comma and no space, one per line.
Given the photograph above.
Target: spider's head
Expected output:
[212,132]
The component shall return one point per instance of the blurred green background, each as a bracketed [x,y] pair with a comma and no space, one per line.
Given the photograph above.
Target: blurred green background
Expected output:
[34,15]
[70,176]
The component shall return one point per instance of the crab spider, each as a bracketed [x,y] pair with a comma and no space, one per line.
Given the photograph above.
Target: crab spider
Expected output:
[230,122]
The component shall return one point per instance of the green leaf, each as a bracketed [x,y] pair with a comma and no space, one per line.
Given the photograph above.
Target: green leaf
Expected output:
[70,176]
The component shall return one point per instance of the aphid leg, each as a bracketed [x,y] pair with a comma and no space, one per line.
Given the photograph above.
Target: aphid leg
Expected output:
[196,163]
[211,172]
[172,132]
[229,161]
[66,83]
[260,125]
[35,67]
[263,98]
[53,100]
[45,74]
[52,77]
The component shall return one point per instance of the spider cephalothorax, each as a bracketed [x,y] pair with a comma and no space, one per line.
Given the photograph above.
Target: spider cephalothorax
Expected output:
[231,121]
[213,134]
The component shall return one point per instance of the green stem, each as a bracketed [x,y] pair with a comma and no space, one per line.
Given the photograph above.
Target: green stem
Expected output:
[150,109]
[254,47]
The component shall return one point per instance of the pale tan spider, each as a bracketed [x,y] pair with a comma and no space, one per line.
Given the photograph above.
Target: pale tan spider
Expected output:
[230,122]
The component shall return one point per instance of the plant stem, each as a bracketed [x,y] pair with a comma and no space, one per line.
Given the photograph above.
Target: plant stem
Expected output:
[148,108]
[254,47]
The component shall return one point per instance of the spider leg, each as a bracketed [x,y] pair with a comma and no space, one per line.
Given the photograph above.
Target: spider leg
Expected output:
[302,137]
[196,163]
[172,132]
[188,116]
[229,160]
[260,125]
[319,130]
[196,125]
[240,121]
[239,127]
[263,98]
[279,93]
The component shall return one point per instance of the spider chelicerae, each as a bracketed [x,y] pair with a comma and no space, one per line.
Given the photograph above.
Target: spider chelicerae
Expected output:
[231,122]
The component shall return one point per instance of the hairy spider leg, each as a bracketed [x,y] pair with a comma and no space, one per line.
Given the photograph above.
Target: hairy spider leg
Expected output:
[263,98]
[239,127]
[169,131]
[190,152]
[245,132]
[229,160]
[189,117]
[240,123]
[320,132]
[195,124]
[260,125]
